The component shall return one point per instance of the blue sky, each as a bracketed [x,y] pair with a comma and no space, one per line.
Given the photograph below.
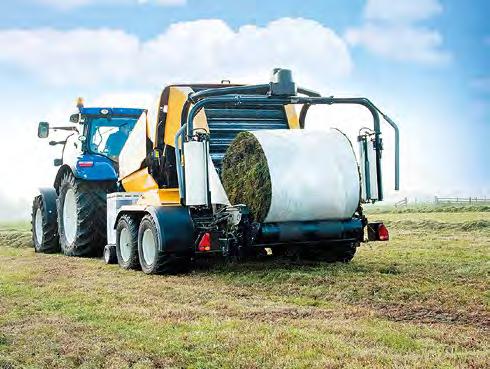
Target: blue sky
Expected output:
[426,62]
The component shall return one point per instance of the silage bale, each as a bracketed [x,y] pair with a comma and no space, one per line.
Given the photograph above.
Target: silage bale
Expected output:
[292,175]
[246,176]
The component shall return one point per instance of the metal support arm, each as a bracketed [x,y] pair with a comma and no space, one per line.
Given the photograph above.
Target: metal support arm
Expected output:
[251,96]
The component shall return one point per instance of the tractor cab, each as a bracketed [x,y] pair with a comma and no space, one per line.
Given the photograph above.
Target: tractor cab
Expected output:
[105,130]
[91,150]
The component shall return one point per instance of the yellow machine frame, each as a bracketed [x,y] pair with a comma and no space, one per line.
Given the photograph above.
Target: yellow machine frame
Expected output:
[171,101]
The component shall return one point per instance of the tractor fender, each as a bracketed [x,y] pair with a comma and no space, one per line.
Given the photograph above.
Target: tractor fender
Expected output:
[102,169]
[49,196]
[175,229]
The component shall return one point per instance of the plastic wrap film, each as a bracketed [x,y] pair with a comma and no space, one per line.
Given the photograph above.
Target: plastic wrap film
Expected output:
[134,150]
[195,174]
[313,174]
[218,193]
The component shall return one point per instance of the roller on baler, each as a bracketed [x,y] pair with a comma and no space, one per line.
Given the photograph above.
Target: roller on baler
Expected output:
[230,170]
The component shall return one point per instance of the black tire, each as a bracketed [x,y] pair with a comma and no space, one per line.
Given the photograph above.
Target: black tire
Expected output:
[346,253]
[110,255]
[90,231]
[129,224]
[333,252]
[49,242]
[162,263]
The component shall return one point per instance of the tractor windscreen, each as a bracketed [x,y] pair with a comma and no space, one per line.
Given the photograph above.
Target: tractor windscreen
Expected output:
[107,136]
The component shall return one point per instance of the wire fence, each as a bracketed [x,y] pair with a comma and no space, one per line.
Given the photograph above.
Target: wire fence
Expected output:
[446,200]
[461,200]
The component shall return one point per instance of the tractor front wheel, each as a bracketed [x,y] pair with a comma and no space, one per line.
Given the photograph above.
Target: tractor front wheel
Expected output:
[44,232]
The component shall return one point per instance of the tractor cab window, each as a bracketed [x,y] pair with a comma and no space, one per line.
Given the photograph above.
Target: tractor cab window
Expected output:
[107,136]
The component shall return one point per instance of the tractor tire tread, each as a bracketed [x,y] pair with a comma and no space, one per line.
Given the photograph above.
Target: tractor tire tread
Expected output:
[165,263]
[91,211]
[50,244]
[132,224]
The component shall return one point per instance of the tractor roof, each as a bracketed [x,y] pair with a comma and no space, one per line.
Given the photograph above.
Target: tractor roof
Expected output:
[130,112]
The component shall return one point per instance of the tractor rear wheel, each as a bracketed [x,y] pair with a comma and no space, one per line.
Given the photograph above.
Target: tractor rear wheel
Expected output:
[153,260]
[82,216]
[44,232]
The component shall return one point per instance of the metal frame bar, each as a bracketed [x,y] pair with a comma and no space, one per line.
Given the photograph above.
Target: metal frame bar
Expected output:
[251,95]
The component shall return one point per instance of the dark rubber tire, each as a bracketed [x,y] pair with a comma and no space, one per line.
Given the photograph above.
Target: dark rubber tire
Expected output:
[50,240]
[110,256]
[335,252]
[163,263]
[131,225]
[91,208]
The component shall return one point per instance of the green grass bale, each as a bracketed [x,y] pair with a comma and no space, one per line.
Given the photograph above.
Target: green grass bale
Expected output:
[246,177]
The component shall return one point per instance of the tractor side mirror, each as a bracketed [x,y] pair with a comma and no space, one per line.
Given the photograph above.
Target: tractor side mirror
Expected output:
[43,130]
[57,162]
[75,118]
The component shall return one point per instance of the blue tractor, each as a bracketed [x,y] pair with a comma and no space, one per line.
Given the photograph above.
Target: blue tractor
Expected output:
[71,216]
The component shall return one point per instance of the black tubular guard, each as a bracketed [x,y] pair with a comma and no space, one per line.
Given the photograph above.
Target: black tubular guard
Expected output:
[175,228]
[49,196]
[291,232]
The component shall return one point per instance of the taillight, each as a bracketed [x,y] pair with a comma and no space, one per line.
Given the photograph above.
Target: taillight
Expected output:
[85,164]
[377,232]
[383,234]
[205,243]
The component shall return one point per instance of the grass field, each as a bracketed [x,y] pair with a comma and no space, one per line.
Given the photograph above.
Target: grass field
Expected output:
[418,301]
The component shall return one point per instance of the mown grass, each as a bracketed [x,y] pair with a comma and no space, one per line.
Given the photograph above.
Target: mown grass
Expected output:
[15,234]
[419,301]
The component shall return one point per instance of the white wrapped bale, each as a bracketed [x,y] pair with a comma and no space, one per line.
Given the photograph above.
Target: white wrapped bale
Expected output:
[293,175]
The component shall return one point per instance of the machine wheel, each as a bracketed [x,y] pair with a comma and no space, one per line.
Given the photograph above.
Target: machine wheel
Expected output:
[331,253]
[127,243]
[82,216]
[346,253]
[44,233]
[152,260]
[110,255]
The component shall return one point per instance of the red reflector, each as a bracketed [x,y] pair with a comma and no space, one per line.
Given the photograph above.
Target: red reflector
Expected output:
[85,164]
[383,233]
[205,243]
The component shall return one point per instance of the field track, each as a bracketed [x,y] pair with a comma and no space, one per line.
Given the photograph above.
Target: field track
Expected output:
[419,301]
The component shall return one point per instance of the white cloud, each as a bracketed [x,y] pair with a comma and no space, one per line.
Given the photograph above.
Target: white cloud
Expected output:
[392,30]
[401,10]
[72,57]
[205,50]
[71,4]
[400,42]
[105,65]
